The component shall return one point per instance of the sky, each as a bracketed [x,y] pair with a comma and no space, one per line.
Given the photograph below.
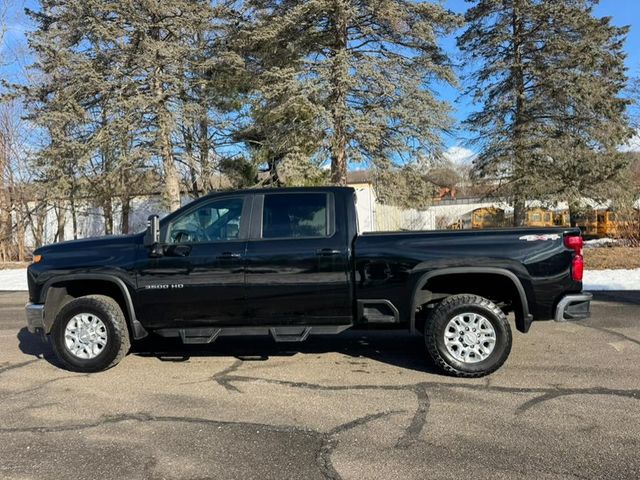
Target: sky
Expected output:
[623,12]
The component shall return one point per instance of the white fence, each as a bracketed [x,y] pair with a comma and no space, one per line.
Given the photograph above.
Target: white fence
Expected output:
[377,217]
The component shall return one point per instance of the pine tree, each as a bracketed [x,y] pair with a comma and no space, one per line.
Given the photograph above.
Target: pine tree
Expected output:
[356,79]
[52,107]
[586,90]
[635,106]
[549,82]
[157,45]
[120,70]
[79,104]
[209,101]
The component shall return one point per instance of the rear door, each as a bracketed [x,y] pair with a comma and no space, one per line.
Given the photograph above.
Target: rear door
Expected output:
[297,268]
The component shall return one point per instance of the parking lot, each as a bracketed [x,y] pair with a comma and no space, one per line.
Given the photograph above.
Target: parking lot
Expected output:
[360,405]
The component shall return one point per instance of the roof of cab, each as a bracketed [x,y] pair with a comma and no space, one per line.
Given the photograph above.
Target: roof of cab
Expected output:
[328,188]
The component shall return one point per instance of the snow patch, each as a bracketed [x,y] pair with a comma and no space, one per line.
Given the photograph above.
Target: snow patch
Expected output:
[13,279]
[600,242]
[619,279]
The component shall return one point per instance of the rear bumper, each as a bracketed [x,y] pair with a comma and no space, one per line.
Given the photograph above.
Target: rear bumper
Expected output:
[574,307]
[35,317]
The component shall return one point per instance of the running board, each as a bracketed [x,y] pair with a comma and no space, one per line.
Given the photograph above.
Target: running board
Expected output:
[288,333]
[199,335]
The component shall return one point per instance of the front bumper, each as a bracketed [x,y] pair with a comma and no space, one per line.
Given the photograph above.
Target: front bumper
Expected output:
[35,317]
[574,307]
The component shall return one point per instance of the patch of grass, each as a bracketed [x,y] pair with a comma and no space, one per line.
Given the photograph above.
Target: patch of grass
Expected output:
[611,257]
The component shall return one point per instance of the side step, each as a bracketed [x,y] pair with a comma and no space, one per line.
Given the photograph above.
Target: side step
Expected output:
[199,335]
[288,333]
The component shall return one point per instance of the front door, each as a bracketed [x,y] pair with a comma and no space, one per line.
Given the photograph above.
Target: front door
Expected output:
[297,262]
[199,281]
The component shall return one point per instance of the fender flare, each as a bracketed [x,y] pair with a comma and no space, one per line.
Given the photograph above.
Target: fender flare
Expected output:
[136,327]
[522,322]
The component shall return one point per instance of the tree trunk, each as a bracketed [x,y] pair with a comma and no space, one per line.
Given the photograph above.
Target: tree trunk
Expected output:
[60,220]
[273,171]
[126,211]
[40,214]
[74,215]
[519,209]
[21,230]
[171,181]
[518,141]
[187,138]
[5,200]
[573,210]
[107,212]
[205,168]
[171,192]
[339,79]
[204,142]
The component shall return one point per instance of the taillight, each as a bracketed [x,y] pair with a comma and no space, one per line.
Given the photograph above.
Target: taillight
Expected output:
[577,268]
[576,243]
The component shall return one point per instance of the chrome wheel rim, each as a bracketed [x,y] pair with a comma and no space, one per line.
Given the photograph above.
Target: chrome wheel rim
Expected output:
[85,336]
[469,337]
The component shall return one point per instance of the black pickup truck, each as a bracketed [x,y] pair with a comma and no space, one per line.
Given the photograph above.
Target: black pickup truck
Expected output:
[290,263]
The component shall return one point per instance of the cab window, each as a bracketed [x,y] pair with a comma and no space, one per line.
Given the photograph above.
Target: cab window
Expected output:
[295,215]
[218,220]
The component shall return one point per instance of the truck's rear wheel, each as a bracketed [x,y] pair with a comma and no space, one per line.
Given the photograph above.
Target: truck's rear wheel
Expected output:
[90,334]
[468,336]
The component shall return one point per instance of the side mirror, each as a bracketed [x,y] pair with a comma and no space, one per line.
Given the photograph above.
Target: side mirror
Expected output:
[152,236]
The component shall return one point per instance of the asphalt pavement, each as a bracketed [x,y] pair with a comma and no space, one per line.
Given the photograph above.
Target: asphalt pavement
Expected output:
[361,405]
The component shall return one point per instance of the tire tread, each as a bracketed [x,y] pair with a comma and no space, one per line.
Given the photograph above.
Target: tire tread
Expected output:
[443,308]
[117,319]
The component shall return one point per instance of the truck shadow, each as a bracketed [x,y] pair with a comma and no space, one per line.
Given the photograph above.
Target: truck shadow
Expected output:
[391,347]
[394,348]
[626,297]
[34,345]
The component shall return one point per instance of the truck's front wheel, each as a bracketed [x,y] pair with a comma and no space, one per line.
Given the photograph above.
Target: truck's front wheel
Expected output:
[90,334]
[468,336]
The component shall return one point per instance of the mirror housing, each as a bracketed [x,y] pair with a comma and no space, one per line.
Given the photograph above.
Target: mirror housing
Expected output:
[152,236]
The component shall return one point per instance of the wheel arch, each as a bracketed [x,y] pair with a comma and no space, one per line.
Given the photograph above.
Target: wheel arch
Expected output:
[523,316]
[59,290]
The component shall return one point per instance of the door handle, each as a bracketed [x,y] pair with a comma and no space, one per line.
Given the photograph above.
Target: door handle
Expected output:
[327,252]
[228,256]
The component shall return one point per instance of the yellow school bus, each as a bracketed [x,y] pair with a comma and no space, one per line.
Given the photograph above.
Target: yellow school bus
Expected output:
[561,218]
[607,223]
[539,217]
[588,223]
[485,217]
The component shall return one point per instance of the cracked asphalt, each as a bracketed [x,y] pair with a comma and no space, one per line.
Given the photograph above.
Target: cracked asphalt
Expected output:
[362,405]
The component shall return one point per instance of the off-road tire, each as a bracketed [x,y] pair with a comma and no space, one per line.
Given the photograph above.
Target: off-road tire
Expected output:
[117,345]
[440,317]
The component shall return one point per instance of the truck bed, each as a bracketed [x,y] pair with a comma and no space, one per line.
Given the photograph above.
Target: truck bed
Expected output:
[386,262]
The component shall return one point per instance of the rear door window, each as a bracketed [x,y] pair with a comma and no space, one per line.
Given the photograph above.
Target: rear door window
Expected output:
[295,215]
